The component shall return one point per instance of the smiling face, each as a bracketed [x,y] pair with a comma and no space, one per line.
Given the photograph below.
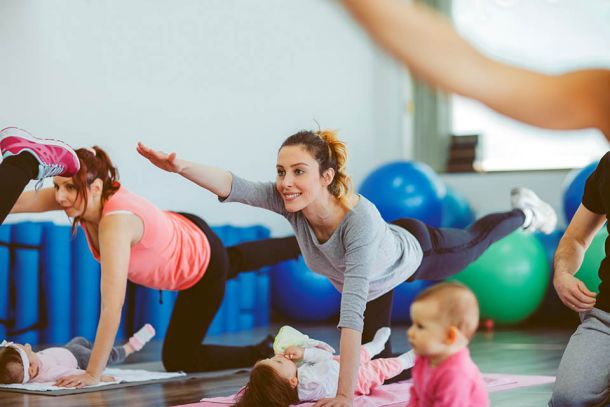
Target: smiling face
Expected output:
[428,332]
[284,367]
[298,178]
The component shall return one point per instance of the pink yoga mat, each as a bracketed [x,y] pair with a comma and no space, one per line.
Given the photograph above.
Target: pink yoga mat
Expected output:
[397,394]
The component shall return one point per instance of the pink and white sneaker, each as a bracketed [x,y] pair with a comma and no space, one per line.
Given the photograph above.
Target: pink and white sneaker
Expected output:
[54,157]
[141,338]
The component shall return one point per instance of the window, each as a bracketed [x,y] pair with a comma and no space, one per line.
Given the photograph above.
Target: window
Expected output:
[550,36]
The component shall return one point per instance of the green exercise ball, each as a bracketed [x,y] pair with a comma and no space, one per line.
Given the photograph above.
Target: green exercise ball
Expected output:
[509,279]
[589,268]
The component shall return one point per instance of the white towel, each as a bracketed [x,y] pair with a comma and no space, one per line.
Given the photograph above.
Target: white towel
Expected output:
[121,376]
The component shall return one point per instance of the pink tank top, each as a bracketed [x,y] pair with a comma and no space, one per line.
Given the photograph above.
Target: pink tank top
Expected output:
[172,254]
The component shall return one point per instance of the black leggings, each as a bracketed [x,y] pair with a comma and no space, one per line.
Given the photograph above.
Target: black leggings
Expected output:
[196,307]
[15,173]
[446,252]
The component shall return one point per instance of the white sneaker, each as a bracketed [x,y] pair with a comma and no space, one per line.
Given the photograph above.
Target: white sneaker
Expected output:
[539,215]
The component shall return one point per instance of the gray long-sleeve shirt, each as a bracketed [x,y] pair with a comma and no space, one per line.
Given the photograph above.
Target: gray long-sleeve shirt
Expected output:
[364,258]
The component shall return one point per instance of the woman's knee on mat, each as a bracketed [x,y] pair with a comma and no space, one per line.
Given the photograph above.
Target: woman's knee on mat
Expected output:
[178,363]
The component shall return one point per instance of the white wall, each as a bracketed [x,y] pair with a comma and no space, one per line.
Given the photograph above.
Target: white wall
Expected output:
[218,81]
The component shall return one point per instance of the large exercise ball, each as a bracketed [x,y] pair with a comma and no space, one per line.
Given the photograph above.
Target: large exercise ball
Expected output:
[574,188]
[457,212]
[509,279]
[404,295]
[589,269]
[406,189]
[299,294]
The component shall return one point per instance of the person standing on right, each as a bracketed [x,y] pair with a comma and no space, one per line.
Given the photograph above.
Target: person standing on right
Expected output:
[584,372]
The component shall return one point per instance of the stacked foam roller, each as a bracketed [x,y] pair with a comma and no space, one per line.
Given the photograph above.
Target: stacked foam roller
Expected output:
[50,288]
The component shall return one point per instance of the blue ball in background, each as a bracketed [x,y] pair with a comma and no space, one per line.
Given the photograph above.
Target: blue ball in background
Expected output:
[406,189]
[299,294]
[550,243]
[574,188]
[457,212]
[404,295]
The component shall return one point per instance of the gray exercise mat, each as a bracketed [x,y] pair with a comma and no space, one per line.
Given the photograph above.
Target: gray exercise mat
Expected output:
[150,366]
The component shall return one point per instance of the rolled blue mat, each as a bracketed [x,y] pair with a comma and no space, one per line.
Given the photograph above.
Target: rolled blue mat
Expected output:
[25,275]
[5,237]
[263,287]
[217,325]
[148,309]
[263,297]
[247,300]
[57,283]
[262,232]
[231,303]
[86,288]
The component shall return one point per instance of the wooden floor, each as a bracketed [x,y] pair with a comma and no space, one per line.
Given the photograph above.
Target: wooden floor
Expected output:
[515,351]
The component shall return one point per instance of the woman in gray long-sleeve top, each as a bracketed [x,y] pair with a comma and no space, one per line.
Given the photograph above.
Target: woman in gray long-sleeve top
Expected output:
[342,235]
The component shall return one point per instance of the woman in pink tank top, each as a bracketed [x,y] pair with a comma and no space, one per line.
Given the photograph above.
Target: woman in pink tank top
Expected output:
[136,241]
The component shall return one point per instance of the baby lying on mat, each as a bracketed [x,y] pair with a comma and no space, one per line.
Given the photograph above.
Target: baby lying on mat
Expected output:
[19,364]
[304,369]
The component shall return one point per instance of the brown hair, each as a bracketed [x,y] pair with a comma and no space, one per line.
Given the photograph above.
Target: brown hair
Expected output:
[94,164]
[267,388]
[11,366]
[458,305]
[329,152]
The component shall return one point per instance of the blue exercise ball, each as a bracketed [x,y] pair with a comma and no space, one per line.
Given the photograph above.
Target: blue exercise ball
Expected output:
[457,212]
[550,243]
[404,295]
[406,189]
[574,188]
[299,294]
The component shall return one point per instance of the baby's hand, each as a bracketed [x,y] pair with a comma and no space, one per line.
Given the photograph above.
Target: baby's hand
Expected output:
[294,352]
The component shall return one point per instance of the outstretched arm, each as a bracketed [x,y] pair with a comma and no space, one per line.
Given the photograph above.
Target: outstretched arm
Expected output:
[429,46]
[215,180]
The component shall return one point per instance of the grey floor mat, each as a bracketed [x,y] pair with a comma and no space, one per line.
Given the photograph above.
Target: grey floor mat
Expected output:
[152,366]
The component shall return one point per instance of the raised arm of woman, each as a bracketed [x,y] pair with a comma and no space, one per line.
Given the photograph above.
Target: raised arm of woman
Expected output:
[116,235]
[429,46]
[215,180]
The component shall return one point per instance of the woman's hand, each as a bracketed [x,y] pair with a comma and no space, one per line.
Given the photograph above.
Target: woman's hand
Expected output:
[294,352]
[78,381]
[167,162]
[573,292]
[339,401]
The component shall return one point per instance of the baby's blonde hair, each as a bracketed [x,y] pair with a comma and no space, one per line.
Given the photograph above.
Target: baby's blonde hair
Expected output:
[457,304]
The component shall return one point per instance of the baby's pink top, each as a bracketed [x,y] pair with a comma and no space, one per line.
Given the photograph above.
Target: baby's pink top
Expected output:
[172,254]
[455,382]
[55,363]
